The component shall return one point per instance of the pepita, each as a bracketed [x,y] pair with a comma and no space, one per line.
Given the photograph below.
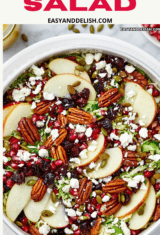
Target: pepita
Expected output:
[117,78]
[24,143]
[82,62]
[25,148]
[99,118]
[148,160]
[95,74]
[104,131]
[31,182]
[84,25]
[126,105]
[139,148]
[110,26]
[123,198]
[76,30]
[28,99]
[88,169]
[153,181]
[18,223]
[75,84]
[99,199]
[122,74]
[156,176]
[139,159]
[24,38]
[122,91]
[7,137]
[103,163]
[82,208]
[70,26]
[76,72]
[83,217]
[104,156]
[100,27]
[53,197]
[140,210]
[119,197]
[91,29]
[80,68]
[71,90]
[114,70]
[98,192]
[17,137]
[16,133]
[46,213]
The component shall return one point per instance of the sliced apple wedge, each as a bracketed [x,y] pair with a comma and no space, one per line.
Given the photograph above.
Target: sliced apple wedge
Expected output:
[114,162]
[58,85]
[18,197]
[13,117]
[57,220]
[136,201]
[60,66]
[142,103]
[33,209]
[139,221]
[93,156]
[6,110]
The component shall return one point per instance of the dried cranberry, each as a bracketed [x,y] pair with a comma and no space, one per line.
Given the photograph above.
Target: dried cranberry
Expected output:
[74,174]
[97,186]
[75,151]
[18,178]
[63,170]
[158,118]
[5,188]
[67,144]
[105,123]
[49,179]
[44,165]
[81,102]
[127,199]
[75,96]
[99,87]
[84,227]
[68,103]
[85,93]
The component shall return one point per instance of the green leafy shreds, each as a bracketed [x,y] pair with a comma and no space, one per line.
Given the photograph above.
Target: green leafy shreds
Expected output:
[33,149]
[9,158]
[117,230]
[29,222]
[143,73]
[64,195]
[37,97]
[9,168]
[151,146]
[109,219]
[91,106]
[5,197]
[20,80]
[158,194]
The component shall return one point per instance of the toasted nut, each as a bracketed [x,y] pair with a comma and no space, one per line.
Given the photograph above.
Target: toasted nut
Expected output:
[46,213]
[18,223]
[95,74]
[110,26]
[70,26]
[31,182]
[98,192]
[153,181]
[84,25]
[71,89]
[99,199]
[24,38]
[75,30]
[80,68]
[123,198]
[53,197]
[114,70]
[75,84]
[122,74]
[100,27]
[91,29]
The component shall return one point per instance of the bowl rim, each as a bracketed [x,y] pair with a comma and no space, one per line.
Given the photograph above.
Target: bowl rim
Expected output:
[45,49]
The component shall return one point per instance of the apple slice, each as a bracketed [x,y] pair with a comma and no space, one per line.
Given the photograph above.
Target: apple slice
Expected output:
[142,103]
[139,221]
[33,209]
[18,197]
[6,110]
[93,156]
[136,201]
[58,85]
[114,162]
[13,117]
[57,220]
[60,66]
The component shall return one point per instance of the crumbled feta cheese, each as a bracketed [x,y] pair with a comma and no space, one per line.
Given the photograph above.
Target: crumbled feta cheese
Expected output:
[83,154]
[33,106]
[54,134]
[79,213]
[125,229]
[69,175]
[155,157]
[92,165]
[89,59]
[107,179]
[94,142]
[5,159]
[113,136]
[129,68]
[49,190]
[102,75]
[134,126]
[40,124]
[88,132]
[64,112]
[126,139]
[94,194]
[132,147]
[109,70]
[48,96]
[75,227]
[75,160]
[37,71]
[19,95]
[52,209]
[143,132]
[141,123]
[74,183]
[76,141]
[71,126]
[68,231]
[23,155]
[47,130]
[66,188]
[113,83]
[32,80]
[110,231]
[157,136]
[44,229]
[143,186]
[115,221]
[97,56]
[70,212]
[130,94]
[106,198]
[94,214]
[58,102]
[150,91]
[100,65]
[80,128]
[38,89]
[133,182]
[43,153]
[92,148]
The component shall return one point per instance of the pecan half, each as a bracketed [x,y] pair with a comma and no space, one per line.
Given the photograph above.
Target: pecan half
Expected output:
[33,230]
[62,135]
[137,78]
[28,130]
[59,153]
[62,120]
[109,97]
[85,189]
[95,229]
[45,107]
[79,116]
[115,186]
[130,160]
[38,190]
[110,207]
[157,213]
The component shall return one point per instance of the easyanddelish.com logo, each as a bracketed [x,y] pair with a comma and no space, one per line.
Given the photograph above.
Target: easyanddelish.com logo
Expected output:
[36,5]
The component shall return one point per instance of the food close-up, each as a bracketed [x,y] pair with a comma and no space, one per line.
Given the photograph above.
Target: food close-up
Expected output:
[81,147]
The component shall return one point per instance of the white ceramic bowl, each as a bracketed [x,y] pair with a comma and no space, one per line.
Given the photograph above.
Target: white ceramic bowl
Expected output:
[71,43]
[150,38]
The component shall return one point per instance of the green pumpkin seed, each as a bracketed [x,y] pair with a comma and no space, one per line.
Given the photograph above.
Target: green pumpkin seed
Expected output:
[108,194]
[148,160]
[25,148]
[16,133]
[153,181]
[104,131]
[82,208]
[104,156]
[17,137]
[7,137]
[140,210]
[24,38]
[156,176]
[99,118]
[95,74]
[114,70]
[28,99]
[31,182]
[122,74]
[88,169]
[80,68]
[123,198]
[139,159]
[73,203]
[76,72]
[76,30]
[138,147]
[75,84]
[99,199]
[117,78]
[82,62]
[83,217]
[24,143]
[7,145]
[103,163]
[84,25]
[46,213]
[122,91]
[71,89]
[70,26]
[119,197]
[91,29]
[18,223]
[110,26]
[53,197]
[141,154]
[98,192]
[126,105]
[100,27]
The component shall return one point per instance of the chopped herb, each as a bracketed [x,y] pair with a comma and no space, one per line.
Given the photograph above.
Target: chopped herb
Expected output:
[151,146]
[20,80]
